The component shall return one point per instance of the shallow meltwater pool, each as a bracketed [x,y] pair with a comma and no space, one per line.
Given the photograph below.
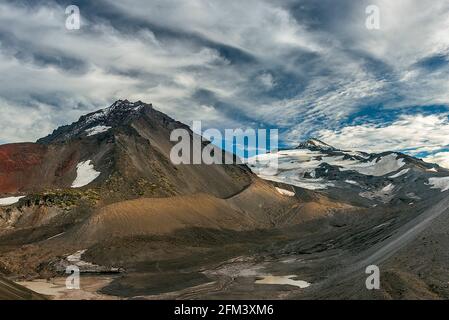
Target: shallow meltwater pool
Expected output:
[285,280]
[44,287]
[56,288]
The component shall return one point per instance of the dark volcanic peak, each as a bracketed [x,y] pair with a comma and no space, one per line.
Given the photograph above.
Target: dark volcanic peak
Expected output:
[125,148]
[98,122]
[313,143]
[113,113]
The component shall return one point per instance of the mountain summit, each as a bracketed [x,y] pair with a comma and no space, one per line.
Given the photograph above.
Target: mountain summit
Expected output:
[119,113]
[314,143]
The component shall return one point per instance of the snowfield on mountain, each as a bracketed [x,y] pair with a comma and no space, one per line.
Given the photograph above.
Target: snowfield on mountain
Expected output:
[295,165]
[440,183]
[9,200]
[85,174]
[399,174]
[97,130]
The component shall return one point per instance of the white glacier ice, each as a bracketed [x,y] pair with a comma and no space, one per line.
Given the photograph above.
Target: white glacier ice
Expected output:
[440,183]
[399,174]
[298,166]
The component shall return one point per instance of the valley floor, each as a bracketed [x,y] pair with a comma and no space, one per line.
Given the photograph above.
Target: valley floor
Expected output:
[319,259]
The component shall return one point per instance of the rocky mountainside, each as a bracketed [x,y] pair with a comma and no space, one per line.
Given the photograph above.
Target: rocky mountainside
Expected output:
[123,149]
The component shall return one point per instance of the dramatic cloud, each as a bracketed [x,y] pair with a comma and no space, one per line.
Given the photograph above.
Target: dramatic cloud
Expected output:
[442,158]
[415,135]
[307,67]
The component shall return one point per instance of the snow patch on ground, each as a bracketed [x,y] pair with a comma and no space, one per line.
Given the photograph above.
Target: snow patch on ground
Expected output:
[358,154]
[9,201]
[76,259]
[96,130]
[285,192]
[377,167]
[382,225]
[85,174]
[388,189]
[440,183]
[385,194]
[399,174]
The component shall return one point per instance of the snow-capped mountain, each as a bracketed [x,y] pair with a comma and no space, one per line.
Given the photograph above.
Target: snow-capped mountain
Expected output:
[369,178]
[315,144]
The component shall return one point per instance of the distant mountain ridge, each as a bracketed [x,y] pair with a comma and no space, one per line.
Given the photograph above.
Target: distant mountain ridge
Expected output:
[355,176]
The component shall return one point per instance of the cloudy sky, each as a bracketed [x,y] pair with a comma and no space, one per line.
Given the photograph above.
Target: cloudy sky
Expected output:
[306,67]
